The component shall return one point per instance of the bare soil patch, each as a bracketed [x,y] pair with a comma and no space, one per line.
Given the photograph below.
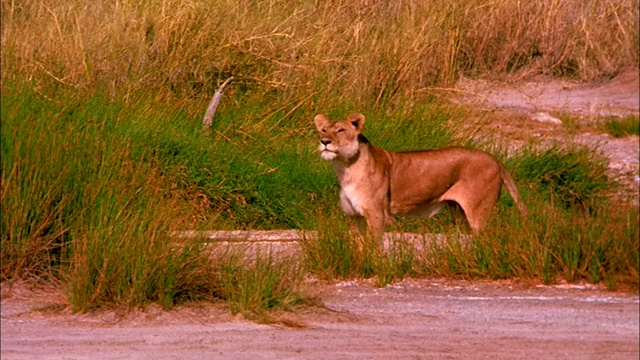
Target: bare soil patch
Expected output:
[428,318]
[617,96]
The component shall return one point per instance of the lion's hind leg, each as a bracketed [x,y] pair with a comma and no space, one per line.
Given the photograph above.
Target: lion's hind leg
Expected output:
[478,209]
[477,197]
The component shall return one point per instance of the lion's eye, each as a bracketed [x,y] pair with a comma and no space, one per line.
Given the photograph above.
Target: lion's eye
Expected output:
[340,130]
[324,130]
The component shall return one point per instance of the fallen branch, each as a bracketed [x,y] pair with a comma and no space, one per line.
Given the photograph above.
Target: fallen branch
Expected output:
[213,105]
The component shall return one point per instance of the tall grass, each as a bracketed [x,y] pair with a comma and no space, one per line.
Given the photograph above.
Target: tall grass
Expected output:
[102,153]
[90,192]
[367,51]
[91,196]
[550,245]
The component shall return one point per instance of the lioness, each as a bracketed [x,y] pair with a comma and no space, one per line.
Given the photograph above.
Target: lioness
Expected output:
[376,184]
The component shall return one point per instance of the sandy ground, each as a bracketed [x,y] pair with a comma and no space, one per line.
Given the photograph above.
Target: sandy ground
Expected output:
[413,319]
[618,96]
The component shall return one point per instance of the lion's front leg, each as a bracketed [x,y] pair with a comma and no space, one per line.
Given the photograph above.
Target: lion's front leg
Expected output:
[358,230]
[376,222]
[368,231]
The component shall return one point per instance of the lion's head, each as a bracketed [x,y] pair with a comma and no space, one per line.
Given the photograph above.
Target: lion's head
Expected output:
[339,140]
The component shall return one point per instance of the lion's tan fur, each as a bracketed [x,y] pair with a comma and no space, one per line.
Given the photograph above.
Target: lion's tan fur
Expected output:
[376,184]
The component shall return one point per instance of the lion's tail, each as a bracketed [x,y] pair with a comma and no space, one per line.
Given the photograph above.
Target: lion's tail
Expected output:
[510,184]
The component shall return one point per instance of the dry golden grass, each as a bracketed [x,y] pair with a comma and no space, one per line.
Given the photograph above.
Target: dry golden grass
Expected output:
[365,50]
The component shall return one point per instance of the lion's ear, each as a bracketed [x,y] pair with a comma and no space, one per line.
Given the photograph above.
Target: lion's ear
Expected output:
[321,121]
[357,120]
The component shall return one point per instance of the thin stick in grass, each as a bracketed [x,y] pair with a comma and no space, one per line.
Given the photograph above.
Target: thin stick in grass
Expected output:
[213,105]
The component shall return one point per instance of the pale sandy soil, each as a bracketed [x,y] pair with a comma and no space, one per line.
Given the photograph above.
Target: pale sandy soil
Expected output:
[413,319]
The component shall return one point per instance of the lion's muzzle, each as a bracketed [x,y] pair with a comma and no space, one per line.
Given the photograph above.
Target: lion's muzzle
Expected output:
[325,152]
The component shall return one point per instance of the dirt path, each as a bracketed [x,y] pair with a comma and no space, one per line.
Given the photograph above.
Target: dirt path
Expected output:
[618,96]
[412,319]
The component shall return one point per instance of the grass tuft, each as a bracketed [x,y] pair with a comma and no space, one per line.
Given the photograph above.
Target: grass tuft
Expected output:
[621,127]
[571,177]
[253,289]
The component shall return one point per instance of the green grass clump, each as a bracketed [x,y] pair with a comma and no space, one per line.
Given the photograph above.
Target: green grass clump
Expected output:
[621,127]
[551,244]
[339,254]
[571,177]
[91,190]
[79,205]
[262,285]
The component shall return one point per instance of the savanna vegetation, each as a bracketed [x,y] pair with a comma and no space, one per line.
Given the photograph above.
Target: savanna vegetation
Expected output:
[103,155]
